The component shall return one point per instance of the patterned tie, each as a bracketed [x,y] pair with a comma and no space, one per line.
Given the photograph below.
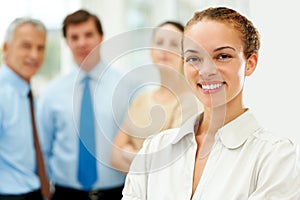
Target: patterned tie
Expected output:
[45,186]
[87,172]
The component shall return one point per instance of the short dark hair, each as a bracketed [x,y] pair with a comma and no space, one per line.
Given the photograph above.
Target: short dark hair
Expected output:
[80,16]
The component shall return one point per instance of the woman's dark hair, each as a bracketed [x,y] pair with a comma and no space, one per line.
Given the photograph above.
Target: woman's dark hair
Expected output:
[249,34]
[178,25]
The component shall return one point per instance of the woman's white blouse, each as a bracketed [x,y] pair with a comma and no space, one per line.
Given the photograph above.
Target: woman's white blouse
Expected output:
[246,163]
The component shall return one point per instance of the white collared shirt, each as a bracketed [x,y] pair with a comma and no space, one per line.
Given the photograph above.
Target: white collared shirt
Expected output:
[246,162]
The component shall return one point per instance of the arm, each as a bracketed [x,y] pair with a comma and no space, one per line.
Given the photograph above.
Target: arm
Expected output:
[137,178]
[122,152]
[279,175]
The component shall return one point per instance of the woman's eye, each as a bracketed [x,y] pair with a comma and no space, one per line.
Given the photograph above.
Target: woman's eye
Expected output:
[159,42]
[174,44]
[192,59]
[223,57]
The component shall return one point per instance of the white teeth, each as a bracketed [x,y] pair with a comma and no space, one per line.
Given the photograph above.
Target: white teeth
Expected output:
[212,86]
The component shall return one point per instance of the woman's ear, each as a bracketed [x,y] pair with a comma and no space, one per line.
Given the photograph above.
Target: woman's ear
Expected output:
[251,64]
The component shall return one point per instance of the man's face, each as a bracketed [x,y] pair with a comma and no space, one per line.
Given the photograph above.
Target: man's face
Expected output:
[82,38]
[25,53]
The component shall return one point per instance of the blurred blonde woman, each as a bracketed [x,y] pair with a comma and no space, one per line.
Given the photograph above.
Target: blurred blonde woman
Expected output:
[166,107]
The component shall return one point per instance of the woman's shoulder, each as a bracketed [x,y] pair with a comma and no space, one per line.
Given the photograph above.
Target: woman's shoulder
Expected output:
[159,141]
[272,143]
[157,152]
[270,137]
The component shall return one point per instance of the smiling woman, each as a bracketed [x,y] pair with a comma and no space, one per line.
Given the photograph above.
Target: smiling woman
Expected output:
[219,65]
[222,153]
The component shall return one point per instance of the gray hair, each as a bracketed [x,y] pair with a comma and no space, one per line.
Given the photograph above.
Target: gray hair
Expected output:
[19,22]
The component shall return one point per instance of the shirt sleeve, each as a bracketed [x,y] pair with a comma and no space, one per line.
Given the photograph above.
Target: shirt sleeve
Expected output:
[131,190]
[136,180]
[279,175]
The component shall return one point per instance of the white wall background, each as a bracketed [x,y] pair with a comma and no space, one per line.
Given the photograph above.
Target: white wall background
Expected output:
[273,91]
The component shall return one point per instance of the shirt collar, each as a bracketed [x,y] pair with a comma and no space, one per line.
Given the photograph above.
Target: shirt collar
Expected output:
[15,80]
[232,135]
[236,132]
[94,74]
[188,127]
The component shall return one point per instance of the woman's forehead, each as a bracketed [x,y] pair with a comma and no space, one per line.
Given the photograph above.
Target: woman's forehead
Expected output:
[210,34]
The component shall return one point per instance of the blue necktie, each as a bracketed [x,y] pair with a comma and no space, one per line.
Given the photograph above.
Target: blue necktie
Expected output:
[87,172]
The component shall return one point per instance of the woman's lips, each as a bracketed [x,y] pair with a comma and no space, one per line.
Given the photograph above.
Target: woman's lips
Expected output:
[211,87]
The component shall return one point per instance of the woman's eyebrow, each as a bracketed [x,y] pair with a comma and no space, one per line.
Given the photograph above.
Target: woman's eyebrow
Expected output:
[225,47]
[217,49]
[190,51]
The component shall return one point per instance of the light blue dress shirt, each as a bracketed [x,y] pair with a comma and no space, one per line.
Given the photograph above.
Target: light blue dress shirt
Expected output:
[17,153]
[58,114]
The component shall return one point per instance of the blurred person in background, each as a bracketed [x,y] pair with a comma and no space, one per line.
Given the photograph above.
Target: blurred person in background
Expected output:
[77,118]
[23,53]
[166,107]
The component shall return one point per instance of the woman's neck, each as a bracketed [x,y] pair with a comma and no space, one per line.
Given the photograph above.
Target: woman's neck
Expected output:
[215,118]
